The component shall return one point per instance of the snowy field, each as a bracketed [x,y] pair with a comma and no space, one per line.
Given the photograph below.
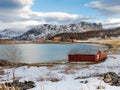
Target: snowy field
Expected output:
[66,77]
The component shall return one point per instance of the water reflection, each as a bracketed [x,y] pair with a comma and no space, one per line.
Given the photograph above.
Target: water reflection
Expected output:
[33,53]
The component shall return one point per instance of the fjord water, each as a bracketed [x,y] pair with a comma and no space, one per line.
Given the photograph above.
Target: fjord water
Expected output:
[35,53]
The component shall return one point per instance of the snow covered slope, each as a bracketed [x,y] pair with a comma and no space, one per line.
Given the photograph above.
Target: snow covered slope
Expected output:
[70,77]
[10,33]
[48,30]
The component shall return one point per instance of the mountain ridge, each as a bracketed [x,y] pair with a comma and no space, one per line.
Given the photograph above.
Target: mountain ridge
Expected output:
[48,30]
[10,33]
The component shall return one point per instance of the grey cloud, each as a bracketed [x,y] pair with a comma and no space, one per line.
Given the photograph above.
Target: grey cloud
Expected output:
[14,10]
[111,25]
[18,11]
[10,4]
[106,7]
[40,17]
[11,17]
[77,20]
[60,20]
[111,2]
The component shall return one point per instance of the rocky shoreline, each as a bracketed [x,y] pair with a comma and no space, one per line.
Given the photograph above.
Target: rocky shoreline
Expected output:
[5,63]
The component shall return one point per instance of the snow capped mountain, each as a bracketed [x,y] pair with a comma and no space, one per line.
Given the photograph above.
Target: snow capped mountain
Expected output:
[49,30]
[10,33]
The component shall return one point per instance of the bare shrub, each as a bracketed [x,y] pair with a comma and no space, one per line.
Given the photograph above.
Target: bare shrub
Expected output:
[13,54]
[49,77]
[54,79]
[71,69]
[6,87]
[41,79]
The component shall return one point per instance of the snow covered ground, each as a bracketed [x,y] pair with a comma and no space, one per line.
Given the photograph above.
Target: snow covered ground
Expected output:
[67,77]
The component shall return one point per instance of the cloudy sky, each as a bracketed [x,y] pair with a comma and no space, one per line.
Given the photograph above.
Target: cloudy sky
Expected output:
[22,13]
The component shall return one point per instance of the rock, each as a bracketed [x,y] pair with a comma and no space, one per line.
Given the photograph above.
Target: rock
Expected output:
[31,83]
[102,78]
[21,85]
[116,81]
[2,72]
[0,87]
[14,88]
[112,78]
[108,78]
[16,79]
[113,74]
[86,81]
[81,81]
[100,87]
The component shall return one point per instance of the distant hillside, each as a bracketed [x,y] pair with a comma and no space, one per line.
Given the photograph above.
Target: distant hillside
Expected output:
[9,33]
[48,30]
[89,34]
[82,30]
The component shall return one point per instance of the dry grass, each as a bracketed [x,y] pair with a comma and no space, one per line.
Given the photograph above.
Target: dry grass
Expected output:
[72,69]
[54,79]
[5,87]
[50,78]
[115,43]
[14,42]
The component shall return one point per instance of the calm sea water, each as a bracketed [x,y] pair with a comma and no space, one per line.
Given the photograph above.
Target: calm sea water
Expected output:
[34,53]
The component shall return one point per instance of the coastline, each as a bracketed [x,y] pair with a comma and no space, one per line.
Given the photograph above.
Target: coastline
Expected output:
[113,45]
[112,48]
[61,72]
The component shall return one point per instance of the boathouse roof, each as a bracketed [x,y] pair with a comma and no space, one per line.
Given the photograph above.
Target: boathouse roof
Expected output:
[83,51]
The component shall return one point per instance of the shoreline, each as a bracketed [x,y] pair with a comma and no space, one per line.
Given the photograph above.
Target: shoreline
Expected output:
[111,50]
[113,45]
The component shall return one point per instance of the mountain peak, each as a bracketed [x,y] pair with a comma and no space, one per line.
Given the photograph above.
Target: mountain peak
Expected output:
[49,30]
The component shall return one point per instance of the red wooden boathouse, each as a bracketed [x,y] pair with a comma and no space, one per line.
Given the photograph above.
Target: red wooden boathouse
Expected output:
[86,55]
